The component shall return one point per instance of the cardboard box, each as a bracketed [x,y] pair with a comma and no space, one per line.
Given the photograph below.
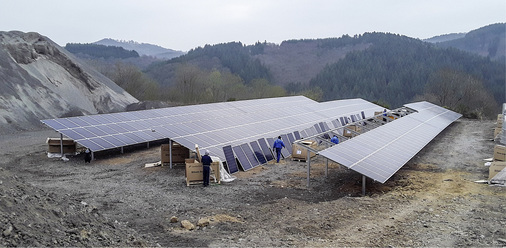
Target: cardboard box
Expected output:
[497,130]
[495,168]
[500,120]
[179,153]
[194,172]
[299,152]
[379,115]
[499,153]
[54,146]
[348,133]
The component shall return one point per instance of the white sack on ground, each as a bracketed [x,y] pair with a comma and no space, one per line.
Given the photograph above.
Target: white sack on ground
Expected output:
[224,176]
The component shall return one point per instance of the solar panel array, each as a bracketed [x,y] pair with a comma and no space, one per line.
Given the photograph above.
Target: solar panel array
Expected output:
[381,152]
[211,126]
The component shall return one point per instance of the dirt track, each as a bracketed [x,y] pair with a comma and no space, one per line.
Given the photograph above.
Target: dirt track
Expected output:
[115,201]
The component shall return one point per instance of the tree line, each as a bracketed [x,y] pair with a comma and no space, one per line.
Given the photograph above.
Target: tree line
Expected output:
[393,70]
[101,51]
[396,70]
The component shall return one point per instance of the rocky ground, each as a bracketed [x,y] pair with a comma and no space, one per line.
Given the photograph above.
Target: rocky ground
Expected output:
[114,201]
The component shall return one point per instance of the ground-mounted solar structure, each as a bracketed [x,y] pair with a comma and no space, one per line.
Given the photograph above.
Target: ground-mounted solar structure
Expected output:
[385,144]
[215,126]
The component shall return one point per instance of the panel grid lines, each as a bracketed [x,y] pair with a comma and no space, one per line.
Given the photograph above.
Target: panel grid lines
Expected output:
[212,125]
[381,152]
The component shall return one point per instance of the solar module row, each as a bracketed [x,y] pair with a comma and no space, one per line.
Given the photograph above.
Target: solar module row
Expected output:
[381,152]
[210,126]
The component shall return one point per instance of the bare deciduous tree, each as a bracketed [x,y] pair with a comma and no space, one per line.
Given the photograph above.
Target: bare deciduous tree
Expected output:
[460,92]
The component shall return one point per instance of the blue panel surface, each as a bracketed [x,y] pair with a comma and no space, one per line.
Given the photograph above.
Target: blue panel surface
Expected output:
[265,148]
[249,153]
[317,127]
[54,124]
[91,145]
[322,127]
[72,134]
[101,142]
[243,160]
[114,141]
[270,142]
[231,163]
[297,135]
[291,137]
[85,132]
[258,152]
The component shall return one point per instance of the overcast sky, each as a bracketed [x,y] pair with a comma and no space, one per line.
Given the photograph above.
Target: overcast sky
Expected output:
[186,24]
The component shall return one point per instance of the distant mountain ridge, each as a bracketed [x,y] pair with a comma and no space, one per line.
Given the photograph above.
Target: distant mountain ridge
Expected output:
[445,37]
[142,48]
[488,41]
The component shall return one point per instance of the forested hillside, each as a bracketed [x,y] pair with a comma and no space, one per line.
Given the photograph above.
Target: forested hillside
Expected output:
[385,68]
[100,51]
[488,41]
[395,69]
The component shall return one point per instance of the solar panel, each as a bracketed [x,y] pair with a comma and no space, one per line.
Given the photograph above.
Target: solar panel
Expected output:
[296,135]
[303,134]
[211,126]
[291,138]
[241,156]
[258,152]
[317,127]
[286,152]
[231,163]
[321,126]
[265,148]
[343,121]
[335,123]
[326,126]
[270,142]
[381,152]
[250,155]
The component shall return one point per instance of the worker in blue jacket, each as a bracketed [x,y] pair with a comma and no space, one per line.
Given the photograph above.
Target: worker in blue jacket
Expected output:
[278,145]
[334,140]
[206,163]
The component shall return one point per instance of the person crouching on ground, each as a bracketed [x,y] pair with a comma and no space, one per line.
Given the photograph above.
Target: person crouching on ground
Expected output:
[278,145]
[87,156]
[206,163]
[335,140]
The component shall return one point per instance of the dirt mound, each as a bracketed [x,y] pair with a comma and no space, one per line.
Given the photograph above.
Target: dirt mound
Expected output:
[30,216]
[41,80]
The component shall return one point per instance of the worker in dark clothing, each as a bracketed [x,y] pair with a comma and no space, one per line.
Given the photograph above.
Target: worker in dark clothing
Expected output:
[87,156]
[384,114]
[278,145]
[334,140]
[206,163]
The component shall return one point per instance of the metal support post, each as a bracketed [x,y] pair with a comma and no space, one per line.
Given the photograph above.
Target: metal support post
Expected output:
[147,145]
[308,166]
[363,185]
[121,150]
[92,155]
[170,153]
[61,144]
[327,168]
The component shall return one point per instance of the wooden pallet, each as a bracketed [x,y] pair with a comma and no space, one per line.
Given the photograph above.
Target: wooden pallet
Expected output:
[188,183]
[299,159]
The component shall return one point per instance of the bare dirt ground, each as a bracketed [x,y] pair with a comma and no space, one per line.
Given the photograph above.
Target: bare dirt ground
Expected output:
[114,201]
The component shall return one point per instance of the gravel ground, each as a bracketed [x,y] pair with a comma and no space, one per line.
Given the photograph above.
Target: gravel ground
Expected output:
[114,201]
